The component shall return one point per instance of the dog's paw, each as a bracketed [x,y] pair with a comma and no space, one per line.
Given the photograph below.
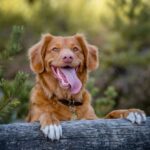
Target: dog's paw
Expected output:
[136,116]
[53,132]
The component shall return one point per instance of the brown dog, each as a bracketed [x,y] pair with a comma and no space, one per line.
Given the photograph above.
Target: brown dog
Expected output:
[61,65]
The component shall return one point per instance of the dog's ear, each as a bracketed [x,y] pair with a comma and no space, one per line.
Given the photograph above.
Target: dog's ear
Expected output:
[90,53]
[93,57]
[36,53]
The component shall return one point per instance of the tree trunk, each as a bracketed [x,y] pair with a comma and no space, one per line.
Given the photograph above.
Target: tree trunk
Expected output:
[102,134]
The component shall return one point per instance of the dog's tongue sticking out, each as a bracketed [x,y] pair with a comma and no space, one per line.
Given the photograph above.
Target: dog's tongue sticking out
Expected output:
[68,77]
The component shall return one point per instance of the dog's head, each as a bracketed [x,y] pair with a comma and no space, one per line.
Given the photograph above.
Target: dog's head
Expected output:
[65,58]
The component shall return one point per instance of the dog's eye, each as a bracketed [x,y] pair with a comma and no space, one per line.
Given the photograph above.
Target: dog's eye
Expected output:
[75,49]
[55,49]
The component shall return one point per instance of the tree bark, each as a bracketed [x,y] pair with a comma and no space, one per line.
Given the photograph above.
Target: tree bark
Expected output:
[101,134]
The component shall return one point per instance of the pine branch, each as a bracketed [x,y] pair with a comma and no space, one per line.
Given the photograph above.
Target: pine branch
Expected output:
[8,107]
[11,98]
[13,92]
[14,43]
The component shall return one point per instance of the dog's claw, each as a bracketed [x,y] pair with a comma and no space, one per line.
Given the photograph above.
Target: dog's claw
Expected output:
[53,132]
[136,117]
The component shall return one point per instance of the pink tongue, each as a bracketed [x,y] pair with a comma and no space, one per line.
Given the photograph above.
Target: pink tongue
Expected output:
[72,79]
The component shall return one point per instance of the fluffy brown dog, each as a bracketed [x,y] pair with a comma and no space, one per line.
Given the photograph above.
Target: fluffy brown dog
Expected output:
[61,65]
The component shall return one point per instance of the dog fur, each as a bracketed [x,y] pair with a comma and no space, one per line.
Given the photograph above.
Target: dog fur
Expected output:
[44,101]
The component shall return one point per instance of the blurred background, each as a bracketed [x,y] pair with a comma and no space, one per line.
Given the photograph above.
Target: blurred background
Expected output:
[119,28]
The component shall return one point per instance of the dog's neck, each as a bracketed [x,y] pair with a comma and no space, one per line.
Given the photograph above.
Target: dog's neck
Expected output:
[50,87]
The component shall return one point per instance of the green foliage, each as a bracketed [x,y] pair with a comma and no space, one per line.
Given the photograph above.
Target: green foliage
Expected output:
[1,72]
[105,104]
[128,34]
[12,93]
[14,43]
[102,104]
[61,17]
[131,20]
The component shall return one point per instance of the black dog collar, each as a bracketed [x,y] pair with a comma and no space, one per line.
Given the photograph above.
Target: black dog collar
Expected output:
[70,102]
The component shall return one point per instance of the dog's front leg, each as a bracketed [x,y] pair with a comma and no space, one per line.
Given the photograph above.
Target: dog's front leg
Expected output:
[50,126]
[134,115]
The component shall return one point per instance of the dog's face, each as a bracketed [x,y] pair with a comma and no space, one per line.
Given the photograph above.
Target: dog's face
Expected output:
[65,58]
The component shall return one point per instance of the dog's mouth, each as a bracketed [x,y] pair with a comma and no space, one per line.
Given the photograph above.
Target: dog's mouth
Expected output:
[68,78]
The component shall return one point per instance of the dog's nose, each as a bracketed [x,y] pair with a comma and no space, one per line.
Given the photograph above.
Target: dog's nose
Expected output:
[67,59]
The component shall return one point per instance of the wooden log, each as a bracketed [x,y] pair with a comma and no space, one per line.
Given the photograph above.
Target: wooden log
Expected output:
[102,134]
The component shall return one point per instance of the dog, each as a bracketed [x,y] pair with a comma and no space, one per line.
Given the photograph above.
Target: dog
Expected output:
[61,65]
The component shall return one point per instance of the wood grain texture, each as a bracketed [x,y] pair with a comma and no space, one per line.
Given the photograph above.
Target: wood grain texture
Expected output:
[102,134]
